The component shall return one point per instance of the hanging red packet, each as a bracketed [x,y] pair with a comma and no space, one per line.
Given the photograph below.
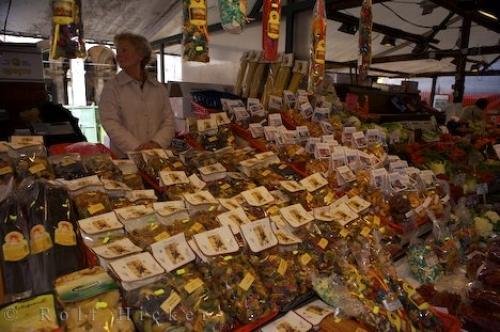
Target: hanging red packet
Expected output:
[318,47]
[271,20]
[365,40]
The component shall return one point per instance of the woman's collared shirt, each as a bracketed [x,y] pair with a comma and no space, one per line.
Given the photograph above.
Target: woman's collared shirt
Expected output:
[132,115]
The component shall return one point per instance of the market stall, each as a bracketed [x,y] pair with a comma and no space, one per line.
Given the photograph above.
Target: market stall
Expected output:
[287,202]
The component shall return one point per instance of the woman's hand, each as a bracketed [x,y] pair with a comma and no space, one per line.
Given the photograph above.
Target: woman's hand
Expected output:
[148,145]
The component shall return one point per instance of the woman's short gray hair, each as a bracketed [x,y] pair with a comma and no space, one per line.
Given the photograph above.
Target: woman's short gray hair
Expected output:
[139,42]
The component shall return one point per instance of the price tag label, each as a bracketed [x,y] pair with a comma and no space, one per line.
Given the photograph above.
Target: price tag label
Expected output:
[193,285]
[323,243]
[170,303]
[163,235]
[197,227]
[282,267]
[94,208]
[37,168]
[365,231]
[305,259]
[247,282]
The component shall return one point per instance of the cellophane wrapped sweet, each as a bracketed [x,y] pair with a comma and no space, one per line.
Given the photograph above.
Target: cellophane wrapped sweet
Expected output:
[240,289]
[195,33]
[277,273]
[102,165]
[202,301]
[31,160]
[68,166]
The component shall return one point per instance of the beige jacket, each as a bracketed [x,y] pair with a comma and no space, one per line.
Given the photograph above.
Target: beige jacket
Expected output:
[132,116]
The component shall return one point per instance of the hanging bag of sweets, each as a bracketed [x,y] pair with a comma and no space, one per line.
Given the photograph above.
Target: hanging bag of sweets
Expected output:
[271,19]
[318,47]
[233,15]
[195,33]
[67,30]
[365,40]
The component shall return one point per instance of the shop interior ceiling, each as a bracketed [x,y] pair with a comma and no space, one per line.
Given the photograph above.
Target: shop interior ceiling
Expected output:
[157,19]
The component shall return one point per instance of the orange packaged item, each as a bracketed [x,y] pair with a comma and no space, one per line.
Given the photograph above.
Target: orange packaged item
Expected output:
[318,47]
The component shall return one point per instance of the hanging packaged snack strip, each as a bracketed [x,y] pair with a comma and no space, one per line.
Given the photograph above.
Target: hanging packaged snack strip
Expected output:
[14,235]
[365,40]
[318,48]
[67,30]
[195,33]
[33,199]
[61,224]
[271,21]
[233,14]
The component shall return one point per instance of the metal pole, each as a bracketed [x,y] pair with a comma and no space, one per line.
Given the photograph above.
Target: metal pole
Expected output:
[459,87]
[433,91]
[162,63]
[290,31]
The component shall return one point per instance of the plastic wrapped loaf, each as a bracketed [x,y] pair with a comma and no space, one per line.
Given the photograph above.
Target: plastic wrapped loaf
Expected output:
[365,40]
[195,33]
[299,72]
[283,76]
[233,14]
[318,47]
[238,86]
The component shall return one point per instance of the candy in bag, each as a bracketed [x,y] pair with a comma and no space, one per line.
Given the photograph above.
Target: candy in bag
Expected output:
[195,33]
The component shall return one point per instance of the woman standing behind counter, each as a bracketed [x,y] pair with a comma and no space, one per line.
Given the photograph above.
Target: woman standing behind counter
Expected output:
[134,107]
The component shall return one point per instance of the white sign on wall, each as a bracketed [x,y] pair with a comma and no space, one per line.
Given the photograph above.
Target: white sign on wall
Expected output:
[20,64]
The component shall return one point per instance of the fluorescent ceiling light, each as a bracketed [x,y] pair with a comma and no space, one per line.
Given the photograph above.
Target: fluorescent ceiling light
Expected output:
[482,12]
